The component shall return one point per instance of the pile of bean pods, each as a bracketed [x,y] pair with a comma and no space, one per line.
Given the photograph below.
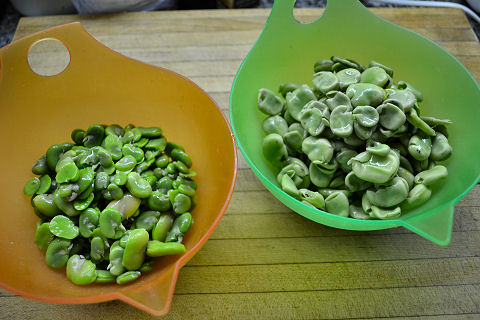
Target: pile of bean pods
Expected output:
[112,201]
[354,143]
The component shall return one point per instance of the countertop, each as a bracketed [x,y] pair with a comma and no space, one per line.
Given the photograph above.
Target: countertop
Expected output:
[264,261]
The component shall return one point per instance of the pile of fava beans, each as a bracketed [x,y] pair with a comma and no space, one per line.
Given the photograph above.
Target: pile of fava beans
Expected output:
[354,142]
[111,202]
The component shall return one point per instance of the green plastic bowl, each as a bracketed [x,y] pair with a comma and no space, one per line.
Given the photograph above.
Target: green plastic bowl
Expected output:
[286,51]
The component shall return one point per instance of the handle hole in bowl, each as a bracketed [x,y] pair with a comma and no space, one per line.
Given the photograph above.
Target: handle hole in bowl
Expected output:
[48,57]
[305,17]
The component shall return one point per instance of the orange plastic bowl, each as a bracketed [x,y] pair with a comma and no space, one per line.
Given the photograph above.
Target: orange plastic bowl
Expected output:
[101,86]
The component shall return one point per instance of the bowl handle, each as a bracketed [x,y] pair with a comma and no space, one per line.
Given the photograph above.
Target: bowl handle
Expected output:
[81,46]
[436,227]
[281,14]
[154,298]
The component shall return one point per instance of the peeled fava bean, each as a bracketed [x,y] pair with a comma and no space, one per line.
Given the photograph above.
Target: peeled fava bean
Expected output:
[318,149]
[80,270]
[286,88]
[312,120]
[43,236]
[357,212]
[269,103]
[418,196]
[403,99]
[375,168]
[341,121]
[337,203]
[366,116]
[137,186]
[297,99]
[347,77]
[274,149]
[321,173]
[325,81]
[179,228]
[365,94]
[135,249]
[337,98]
[390,116]
[420,147]
[156,248]
[431,176]
[57,253]
[275,124]
[63,227]
[385,213]
[390,194]
[441,149]
[375,75]
[312,197]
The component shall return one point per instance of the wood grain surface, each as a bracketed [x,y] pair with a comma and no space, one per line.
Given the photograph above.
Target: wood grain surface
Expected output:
[264,261]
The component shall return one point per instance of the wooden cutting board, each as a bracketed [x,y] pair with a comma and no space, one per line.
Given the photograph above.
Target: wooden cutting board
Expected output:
[264,261]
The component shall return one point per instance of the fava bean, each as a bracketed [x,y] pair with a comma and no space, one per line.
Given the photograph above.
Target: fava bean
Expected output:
[63,227]
[82,204]
[365,94]
[31,187]
[159,201]
[137,186]
[43,236]
[151,132]
[64,206]
[375,75]
[97,249]
[147,220]
[297,99]
[325,81]
[40,167]
[357,212]
[128,276]
[314,198]
[126,163]
[286,88]
[431,176]
[56,256]
[275,124]
[156,248]
[116,257]
[158,144]
[181,155]
[135,249]
[337,203]
[269,103]
[104,276]
[162,226]
[161,161]
[179,228]
[88,221]
[45,184]
[80,270]
[441,149]
[110,223]
[383,213]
